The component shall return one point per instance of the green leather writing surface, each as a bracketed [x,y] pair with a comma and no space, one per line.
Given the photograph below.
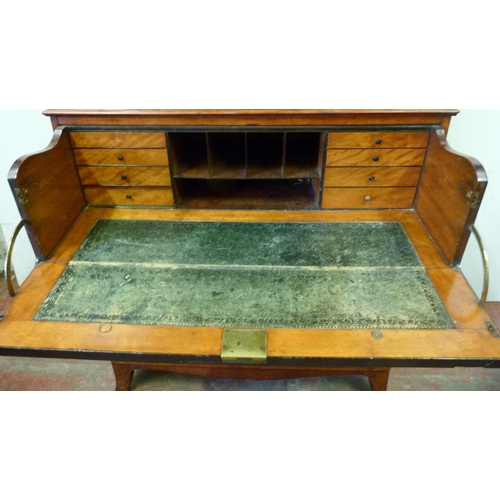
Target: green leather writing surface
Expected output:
[247,275]
[249,243]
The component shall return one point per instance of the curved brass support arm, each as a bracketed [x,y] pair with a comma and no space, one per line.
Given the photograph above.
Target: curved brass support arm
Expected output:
[486,265]
[8,258]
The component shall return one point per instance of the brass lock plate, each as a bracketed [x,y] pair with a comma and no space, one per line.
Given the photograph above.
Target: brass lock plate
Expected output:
[244,346]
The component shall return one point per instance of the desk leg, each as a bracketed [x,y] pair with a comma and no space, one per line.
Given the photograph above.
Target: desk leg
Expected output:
[379,378]
[123,375]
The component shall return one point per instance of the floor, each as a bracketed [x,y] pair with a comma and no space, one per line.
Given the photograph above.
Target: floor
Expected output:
[31,374]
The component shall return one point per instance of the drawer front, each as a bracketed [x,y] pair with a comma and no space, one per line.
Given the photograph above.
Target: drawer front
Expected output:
[129,196]
[375,157]
[118,139]
[124,176]
[394,140]
[372,176]
[367,198]
[157,157]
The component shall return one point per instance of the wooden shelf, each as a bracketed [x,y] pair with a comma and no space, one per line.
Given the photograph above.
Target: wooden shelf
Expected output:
[302,172]
[227,155]
[189,154]
[266,151]
[303,154]
[269,170]
[265,172]
[246,155]
[267,194]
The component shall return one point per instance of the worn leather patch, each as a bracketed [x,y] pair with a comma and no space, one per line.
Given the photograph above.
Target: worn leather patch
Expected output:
[247,275]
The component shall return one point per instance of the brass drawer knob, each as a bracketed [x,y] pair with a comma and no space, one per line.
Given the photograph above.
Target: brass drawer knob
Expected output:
[124,177]
[375,158]
[372,177]
[368,198]
[120,158]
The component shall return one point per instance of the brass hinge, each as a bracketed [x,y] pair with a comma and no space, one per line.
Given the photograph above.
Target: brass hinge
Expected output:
[20,196]
[244,346]
[491,327]
[473,198]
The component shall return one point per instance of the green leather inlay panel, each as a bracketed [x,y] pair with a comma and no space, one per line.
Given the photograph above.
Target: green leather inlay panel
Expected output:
[237,275]
[249,243]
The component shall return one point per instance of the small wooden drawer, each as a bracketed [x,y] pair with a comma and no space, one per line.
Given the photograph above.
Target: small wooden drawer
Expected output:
[358,140]
[372,176]
[375,157]
[125,176]
[156,157]
[367,198]
[129,196]
[118,139]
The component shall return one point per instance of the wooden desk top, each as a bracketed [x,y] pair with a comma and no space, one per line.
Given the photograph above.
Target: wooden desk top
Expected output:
[242,117]
[471,343]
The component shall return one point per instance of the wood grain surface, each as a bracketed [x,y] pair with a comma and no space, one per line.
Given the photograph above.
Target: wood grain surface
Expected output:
[450,185]
[129,196]
[238,117]
[117,139]
[151,157]
[375,157]
[52,197]
[124,176]
[378,140]
[368,197]
[372,176]
[470,341]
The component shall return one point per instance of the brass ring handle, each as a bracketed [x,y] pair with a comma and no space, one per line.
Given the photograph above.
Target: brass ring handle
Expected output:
[8,258]
[486,264]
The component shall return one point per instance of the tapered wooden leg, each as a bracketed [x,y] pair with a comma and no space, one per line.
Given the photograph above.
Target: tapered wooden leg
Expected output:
[123,375]
[379,379]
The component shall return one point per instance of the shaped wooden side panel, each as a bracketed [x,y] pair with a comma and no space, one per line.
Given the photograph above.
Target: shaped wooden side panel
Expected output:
[451,189]
[48,193]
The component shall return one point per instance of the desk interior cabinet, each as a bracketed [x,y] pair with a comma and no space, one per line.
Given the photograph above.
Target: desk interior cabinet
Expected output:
[250,242]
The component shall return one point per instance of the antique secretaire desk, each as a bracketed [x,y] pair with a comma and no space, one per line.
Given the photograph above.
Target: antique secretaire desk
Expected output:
[250,243]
